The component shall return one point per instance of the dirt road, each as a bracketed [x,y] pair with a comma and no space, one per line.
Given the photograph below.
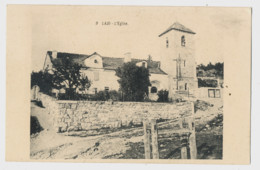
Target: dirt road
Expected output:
[124,143]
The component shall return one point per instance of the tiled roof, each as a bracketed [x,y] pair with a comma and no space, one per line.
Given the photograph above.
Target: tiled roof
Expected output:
[75,58]
[179,27]
[153,66]
[109,63]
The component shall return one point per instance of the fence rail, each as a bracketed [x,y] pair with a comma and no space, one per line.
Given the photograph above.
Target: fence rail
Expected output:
[186,134]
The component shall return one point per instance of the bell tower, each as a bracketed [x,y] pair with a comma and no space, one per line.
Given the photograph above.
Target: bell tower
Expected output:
[178,59]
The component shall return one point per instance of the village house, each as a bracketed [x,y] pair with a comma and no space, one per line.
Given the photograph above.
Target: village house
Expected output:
[175,72]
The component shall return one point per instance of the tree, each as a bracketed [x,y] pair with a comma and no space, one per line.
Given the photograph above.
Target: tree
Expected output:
[134,81]
[66,74]
[211,69]
[84,83]
[43,79]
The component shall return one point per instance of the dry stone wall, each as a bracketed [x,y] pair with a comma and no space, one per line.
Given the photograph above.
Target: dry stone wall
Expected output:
[86,115]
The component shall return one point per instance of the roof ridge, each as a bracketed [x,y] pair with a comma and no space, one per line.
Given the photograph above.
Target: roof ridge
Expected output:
[71,53]
[179,27]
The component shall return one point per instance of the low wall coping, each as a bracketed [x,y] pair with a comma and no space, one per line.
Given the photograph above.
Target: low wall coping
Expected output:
[118,102]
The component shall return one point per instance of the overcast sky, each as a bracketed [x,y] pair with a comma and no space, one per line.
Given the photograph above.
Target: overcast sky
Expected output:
[73,29]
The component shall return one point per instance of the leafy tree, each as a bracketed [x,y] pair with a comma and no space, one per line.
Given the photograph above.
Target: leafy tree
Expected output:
[43,79]
[134,81]
[84,83]
[66,74]
[216,69]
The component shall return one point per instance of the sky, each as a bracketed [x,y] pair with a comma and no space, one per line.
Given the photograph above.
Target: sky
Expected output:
[74,29]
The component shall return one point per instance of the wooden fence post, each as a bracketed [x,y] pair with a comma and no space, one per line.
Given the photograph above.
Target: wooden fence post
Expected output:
[184,147]
[154,134]
[147,141]
[181,123]
[192,138]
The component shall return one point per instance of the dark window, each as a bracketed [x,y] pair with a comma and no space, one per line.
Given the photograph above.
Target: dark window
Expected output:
[143,64]
[95,61]
[153,90]
[183,41]
[186,86]
[95,90]
[167,42]
[106,88]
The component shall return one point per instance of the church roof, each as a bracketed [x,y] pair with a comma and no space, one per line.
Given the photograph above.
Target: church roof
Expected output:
[109,63]
[153,66]
[178,27]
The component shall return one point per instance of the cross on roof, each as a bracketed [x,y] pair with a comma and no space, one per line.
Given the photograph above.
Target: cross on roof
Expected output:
[178,66]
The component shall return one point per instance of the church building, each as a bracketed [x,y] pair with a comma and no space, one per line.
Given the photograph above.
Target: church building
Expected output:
[175,72]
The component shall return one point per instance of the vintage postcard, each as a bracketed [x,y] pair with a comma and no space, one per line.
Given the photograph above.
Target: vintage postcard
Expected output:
[128,84]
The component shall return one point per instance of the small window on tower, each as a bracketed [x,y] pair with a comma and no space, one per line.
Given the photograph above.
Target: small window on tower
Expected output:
[167,42]
[95,61]
[183,41]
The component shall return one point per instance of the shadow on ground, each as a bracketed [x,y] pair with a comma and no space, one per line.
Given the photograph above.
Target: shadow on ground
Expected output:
[35,125]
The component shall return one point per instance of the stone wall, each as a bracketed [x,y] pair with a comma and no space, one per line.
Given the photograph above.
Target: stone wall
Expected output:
[86,115]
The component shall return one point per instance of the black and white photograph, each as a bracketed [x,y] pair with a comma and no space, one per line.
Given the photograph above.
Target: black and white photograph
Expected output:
[129,83]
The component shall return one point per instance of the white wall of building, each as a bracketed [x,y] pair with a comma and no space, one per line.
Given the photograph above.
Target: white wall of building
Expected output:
[100,79]
[94,61]
[203,92]
[162,79]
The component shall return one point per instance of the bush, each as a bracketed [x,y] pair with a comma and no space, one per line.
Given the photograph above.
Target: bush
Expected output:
[163,96]
[106,95]
[42,79]
[101,96]
[115,95]
[207,83]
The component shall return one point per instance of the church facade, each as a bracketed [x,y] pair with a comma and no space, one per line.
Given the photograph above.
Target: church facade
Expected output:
[175,72]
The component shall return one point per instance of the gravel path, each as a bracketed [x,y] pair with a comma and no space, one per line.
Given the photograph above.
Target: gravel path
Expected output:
[124,143]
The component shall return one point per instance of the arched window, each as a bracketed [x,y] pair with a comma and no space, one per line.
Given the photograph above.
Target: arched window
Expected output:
[167,42]
[153,90]
[183,41]
[95,61]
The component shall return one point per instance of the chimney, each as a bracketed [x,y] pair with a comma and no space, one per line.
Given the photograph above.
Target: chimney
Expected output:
[159,65]
[54,54]
[127,57]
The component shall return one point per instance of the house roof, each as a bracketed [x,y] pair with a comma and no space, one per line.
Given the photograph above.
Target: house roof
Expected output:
[75,58]
[179,27]
[109,63]
[153,66]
